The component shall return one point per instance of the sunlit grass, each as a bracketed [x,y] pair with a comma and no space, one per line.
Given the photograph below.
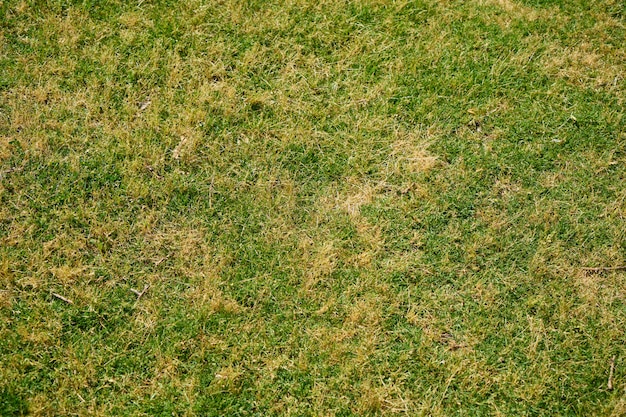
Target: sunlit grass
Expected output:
[340,207]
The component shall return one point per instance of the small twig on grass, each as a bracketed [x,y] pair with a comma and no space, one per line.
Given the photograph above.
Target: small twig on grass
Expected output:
[153,172]
[159,261]
[609,385]
[9,171]
[605,268]
[144,104]
[140,294]
[60,297]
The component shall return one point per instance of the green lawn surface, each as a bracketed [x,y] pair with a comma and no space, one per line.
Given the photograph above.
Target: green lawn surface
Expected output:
[313,208]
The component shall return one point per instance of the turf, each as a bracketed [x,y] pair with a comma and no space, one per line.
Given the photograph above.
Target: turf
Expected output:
[341,208]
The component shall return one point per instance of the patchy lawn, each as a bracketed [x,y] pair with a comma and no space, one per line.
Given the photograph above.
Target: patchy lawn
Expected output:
[325,208]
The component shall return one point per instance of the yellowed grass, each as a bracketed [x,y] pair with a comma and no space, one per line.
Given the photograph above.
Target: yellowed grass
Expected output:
[586,64]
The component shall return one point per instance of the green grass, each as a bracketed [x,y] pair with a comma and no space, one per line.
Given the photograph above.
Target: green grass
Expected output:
[342,208]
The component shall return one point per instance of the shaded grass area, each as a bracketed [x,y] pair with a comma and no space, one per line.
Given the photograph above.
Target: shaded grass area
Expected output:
[341,208]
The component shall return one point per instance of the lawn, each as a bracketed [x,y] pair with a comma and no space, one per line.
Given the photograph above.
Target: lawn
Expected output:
[313,208]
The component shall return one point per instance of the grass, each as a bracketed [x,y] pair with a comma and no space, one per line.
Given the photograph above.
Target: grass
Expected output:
[342,208]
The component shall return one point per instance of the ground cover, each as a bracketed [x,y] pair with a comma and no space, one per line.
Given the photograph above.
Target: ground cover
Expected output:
[336,207]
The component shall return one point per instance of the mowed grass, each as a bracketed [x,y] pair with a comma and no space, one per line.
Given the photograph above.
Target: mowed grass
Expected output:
[341,208]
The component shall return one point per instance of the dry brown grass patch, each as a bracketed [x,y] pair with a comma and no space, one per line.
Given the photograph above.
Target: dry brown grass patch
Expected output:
[585,64]
[382,397]
[319,261]
[352,196]
[66,274]
[515,10]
